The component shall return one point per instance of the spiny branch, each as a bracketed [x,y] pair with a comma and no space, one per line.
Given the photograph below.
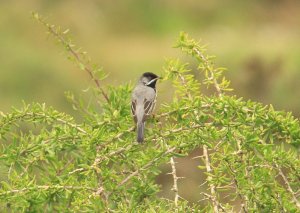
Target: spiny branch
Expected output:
[210,70]
[46,187]
[73,52]
[289,188]
[209,180]
[175,178]
[32,115]
[136,172]
[237,187]
[205,151]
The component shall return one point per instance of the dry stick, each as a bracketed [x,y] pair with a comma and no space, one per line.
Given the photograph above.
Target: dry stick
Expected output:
[210,197]
[209,179]
[289,188]
[172,162]
[205,151]
[73,52]
[175,178]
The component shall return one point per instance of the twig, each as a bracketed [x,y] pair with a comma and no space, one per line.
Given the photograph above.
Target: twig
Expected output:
[26,114]
[213,199]
[175,178]
[196,157]
[136,172]
[289,188]
[243,198]
[205,151]
[280,173]
[69,47]
[181,109]
[77,170]
[99,159]
[184,84]
[113,139]
[46,187]
[212,187]
[212,76]
[145,166]
[57,119]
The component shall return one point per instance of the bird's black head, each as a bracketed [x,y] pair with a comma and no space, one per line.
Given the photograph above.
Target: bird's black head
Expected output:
[150,75]
[151,79]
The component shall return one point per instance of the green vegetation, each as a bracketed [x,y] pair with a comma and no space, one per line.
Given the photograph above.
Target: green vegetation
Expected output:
[54,163]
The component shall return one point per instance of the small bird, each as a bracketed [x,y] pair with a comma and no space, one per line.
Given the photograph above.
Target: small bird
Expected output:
[143,101]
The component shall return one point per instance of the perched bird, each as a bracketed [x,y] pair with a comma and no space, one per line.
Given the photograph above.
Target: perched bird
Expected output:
[143,101]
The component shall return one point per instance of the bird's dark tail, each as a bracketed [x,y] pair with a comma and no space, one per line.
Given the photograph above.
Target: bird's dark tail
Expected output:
[140,132]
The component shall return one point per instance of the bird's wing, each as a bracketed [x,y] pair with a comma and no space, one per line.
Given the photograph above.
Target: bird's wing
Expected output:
[149,102]
[149,106]
[133,109]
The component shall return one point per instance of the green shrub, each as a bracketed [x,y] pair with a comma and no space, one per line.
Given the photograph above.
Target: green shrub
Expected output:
[50,162]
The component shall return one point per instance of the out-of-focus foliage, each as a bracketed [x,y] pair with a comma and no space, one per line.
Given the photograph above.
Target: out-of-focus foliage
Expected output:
[258,41]
[54,163]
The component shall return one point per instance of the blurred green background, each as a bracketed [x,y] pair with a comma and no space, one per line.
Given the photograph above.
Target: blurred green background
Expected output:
[258,41]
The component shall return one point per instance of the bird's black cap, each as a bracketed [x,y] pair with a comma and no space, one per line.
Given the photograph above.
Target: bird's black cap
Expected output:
[150,75]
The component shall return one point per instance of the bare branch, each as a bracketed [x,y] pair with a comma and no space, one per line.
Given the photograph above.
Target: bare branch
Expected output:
[289,188]
[175,178]
[213,199]
[209,69]
[73,52]
[212,187]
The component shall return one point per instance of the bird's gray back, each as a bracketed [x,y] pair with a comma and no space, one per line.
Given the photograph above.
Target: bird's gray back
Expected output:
[142,91]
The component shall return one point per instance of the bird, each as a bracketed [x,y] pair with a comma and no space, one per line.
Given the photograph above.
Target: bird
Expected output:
[143,101]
